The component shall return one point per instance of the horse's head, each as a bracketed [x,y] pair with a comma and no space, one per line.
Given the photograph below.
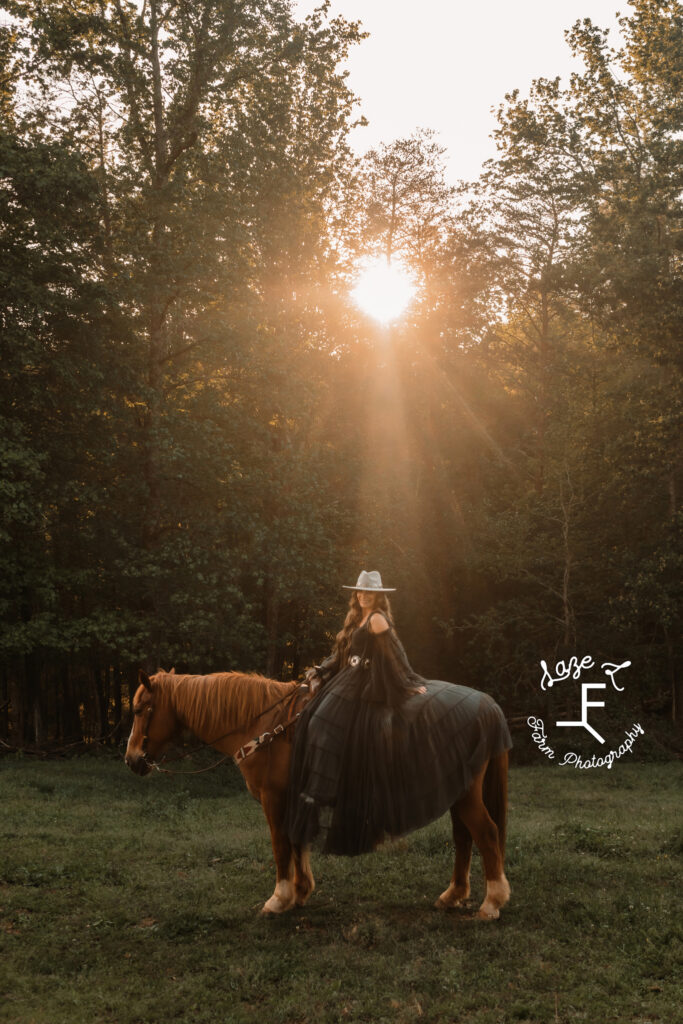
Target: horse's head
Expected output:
[154,724]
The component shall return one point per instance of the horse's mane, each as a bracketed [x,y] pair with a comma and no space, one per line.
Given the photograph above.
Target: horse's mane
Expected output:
[222,701]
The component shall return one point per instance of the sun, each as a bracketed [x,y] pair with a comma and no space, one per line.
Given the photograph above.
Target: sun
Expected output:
[383,290]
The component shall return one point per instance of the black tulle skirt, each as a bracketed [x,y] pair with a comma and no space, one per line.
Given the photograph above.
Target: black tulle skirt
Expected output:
[362,771]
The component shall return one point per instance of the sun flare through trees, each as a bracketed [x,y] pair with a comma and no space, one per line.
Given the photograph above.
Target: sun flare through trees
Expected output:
[239,363]
[384,290]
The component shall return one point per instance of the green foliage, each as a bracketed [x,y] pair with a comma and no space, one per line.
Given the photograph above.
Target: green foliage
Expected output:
[577,224]
[156,231]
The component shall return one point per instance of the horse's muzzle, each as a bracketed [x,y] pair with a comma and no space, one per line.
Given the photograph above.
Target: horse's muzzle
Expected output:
[138,764]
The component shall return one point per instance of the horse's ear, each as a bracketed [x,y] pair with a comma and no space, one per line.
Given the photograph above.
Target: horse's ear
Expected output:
[171,671]
[144,680]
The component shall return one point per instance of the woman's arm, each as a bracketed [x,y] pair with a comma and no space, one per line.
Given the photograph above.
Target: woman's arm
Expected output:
[378,623]
[392,676]
[324,671]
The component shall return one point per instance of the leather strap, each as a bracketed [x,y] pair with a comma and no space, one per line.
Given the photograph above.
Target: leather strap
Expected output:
[289,714]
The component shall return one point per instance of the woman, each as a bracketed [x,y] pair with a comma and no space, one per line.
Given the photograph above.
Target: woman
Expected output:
[381,751]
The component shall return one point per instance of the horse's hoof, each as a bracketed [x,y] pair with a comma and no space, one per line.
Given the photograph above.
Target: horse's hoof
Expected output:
[282,899]
[273,907]
[488,913]
[303,896]
[442,904]
[451,898]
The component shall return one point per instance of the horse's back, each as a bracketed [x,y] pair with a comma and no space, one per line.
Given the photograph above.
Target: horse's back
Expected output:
[452,699]
[461,723]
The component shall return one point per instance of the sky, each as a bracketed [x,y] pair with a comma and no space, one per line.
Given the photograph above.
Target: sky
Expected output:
[444,64]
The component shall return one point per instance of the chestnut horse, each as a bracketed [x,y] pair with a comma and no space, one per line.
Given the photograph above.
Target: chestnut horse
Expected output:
[227,710]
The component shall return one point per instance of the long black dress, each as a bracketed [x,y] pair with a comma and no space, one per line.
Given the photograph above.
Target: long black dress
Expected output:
[372,758]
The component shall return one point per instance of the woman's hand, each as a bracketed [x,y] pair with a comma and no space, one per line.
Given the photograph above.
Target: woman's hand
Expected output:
[312,678]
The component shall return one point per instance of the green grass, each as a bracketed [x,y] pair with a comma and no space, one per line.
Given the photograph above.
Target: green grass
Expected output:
[125,900]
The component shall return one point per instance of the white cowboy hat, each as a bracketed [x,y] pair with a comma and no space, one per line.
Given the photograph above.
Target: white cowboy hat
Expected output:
[371,581]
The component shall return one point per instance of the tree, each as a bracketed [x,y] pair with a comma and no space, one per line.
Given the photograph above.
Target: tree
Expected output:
[585,205]
[58,423]
[192,126]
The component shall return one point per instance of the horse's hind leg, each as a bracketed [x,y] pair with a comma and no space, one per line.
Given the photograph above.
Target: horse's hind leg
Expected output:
[304,883]
[459,889]
[484,830]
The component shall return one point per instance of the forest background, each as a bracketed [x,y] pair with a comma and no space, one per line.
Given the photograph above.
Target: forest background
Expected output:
[202,437]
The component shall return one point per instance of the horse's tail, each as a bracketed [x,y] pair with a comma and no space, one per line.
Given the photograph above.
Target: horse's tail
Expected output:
[496,794]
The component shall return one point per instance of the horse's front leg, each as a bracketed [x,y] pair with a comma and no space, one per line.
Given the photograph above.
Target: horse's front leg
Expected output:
[304,882]
[284,896]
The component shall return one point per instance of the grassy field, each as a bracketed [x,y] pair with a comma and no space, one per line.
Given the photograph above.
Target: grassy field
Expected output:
[125,900]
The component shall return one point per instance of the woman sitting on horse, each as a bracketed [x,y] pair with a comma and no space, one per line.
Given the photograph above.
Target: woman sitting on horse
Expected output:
[380,751]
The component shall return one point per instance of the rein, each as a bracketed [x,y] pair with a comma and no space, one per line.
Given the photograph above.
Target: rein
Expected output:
[244,751]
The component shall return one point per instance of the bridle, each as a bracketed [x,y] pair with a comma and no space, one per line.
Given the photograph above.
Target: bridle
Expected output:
[148,711]
[244,751]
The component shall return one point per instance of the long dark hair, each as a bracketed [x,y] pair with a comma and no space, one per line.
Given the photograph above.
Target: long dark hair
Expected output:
[352,621]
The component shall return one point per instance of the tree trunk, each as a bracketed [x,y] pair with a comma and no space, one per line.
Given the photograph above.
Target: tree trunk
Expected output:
[272,619]
[72,729]
[567,610]
[33,717]
[118,704]
[674,681]
[94,730]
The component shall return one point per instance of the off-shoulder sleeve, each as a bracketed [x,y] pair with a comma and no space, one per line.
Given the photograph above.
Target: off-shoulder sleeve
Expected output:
[392,680]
